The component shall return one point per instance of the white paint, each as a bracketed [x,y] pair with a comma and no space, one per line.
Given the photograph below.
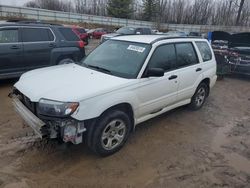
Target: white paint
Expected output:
[96,91]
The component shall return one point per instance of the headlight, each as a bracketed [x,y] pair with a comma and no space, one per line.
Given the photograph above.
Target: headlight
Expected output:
[55,108]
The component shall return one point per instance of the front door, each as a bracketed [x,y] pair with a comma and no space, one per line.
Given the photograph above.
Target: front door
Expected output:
[11,51]
[155,94]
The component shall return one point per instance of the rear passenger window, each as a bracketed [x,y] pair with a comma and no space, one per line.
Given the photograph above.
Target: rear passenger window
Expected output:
[68,34]
[186,55]
[205,51]
[37,35]
[9,36]
[164,57]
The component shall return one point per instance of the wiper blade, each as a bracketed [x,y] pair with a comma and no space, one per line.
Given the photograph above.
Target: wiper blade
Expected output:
[99,68]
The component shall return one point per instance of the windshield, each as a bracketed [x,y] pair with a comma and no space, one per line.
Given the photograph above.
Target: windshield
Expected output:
[119,58]
[126,31]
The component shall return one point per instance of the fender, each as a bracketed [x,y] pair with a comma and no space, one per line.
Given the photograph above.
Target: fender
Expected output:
[94,107]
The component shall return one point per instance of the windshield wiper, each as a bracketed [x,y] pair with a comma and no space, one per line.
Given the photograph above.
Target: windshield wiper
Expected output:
[99,68]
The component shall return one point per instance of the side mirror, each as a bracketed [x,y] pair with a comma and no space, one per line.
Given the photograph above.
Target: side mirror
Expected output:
[154,72]
[138,32]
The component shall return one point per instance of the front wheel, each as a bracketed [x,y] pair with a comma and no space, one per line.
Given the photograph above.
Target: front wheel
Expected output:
[110,133]
[199,97]
[65,61]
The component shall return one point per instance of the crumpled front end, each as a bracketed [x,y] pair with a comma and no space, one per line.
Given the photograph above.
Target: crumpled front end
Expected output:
[66,129]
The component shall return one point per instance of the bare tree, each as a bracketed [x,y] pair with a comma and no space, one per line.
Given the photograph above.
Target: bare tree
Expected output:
[223,12]
[51,5]
[239,11]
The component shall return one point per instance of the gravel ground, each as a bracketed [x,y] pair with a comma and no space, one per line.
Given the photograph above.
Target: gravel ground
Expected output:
[182,148]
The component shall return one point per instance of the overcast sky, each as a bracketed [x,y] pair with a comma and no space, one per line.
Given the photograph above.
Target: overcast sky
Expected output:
[13,2]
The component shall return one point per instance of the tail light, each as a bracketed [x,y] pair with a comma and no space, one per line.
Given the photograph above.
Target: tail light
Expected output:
[81,44]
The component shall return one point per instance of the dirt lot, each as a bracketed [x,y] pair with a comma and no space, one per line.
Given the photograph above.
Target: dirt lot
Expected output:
[182,148]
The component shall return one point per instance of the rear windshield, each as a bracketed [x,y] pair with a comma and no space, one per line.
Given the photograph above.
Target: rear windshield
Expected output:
[126,30]
[68,34]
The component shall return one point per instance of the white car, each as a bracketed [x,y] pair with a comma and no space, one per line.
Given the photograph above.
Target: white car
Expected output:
[123,82]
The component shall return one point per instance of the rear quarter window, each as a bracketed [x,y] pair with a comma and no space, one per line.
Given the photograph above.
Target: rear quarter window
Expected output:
[205,51]
[68,34]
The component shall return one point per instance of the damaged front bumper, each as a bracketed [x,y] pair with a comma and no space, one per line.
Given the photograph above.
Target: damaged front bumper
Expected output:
[69,130]
[30,119]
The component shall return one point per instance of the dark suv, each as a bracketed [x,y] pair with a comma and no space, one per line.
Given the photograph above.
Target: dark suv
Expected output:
[29,45]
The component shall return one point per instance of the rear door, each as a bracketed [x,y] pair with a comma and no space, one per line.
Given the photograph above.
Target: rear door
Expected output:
[11,50]
[189,70]
[38,43]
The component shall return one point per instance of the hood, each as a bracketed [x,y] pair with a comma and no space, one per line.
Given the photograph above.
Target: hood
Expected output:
[67,83]
[240,40]
[111,35]
[220,35]
[234,40]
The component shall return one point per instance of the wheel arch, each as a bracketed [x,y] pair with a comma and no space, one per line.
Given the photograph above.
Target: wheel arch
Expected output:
[207,82]
[125,107]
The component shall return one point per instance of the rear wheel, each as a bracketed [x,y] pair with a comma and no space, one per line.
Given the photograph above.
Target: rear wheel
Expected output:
[110,132]
[199,97]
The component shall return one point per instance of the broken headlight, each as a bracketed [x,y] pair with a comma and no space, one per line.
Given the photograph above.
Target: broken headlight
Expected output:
[55,108]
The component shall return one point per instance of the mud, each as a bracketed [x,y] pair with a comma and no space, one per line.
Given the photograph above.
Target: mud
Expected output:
[182,148]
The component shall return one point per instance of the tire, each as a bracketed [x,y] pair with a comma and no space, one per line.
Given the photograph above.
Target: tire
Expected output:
[199,97]
[65,61]
[110,133]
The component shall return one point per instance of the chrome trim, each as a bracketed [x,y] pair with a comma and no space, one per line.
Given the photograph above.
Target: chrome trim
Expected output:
[34,122]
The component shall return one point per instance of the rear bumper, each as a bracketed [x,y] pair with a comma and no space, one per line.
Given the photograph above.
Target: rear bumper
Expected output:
[30,119]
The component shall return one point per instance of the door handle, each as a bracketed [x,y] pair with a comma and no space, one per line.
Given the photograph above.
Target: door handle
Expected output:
[173,77]
[198,69]
[15,47]
[52,45]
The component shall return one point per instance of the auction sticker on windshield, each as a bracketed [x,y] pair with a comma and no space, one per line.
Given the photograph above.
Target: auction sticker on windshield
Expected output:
[136,48]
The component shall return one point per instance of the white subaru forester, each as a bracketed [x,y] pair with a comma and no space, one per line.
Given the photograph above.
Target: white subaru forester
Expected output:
[123,82]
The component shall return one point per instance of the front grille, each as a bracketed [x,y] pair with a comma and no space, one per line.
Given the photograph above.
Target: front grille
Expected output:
[28,103]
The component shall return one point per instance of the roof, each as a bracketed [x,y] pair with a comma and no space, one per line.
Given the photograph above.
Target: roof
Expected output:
[148,39]
[26,23]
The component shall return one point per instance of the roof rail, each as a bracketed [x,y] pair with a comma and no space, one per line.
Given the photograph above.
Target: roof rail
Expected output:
[173,37]
[31,22]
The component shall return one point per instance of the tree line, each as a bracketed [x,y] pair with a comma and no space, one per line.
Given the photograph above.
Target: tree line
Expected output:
[201,12]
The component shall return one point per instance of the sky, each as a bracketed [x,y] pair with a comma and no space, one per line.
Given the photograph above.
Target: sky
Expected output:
[13,2]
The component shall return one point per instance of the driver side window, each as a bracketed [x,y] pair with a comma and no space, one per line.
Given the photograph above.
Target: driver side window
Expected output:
[163,57]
